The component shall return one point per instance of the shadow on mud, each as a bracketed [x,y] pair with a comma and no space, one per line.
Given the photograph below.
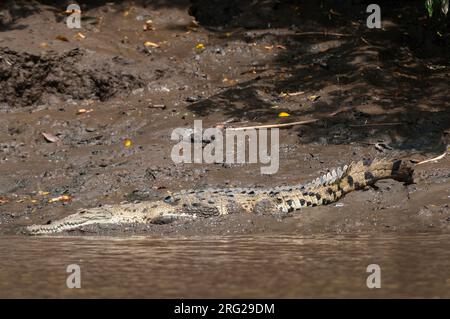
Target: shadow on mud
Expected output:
[389,85]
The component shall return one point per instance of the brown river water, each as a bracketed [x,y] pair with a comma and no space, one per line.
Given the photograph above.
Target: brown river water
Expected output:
[256,266]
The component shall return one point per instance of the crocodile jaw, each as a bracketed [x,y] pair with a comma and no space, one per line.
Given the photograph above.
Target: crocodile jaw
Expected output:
[81,219]
[59,227]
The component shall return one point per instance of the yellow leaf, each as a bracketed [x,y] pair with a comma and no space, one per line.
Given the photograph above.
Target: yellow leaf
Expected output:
[200,46]
[80,36]
[313,97]
[127,143]
[63,198]
[284,114]
[43,193]
[151,44]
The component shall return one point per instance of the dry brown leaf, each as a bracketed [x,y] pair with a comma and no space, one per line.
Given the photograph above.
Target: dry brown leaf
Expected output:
[84,111]
[126,13]
[313,98]
[62,38]
[62,198]
[79,36]
[148,26]
[50,137]
[3,200]
[69,12]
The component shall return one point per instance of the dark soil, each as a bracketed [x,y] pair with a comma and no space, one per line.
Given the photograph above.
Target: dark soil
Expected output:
[386,86]
[28,79]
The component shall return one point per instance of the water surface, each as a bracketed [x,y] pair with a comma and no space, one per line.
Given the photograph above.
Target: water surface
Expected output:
[226,267]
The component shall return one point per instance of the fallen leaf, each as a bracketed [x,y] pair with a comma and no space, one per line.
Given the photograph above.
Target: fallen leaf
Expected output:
[79,36]
[72,11]
[151,44]
[34,201]
[200,46]
[62,198]
[43,193]
[44,45]
[126,13]
[296,93]
[194,24]
[268,47]
[284,114]
[62,38]
[50,137]
[279,46]
[148,26]
[283,94]
[84,111]
[313,98]
[3,201]
[127,143]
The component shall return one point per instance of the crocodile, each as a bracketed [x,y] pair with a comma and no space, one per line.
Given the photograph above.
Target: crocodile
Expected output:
[193,204]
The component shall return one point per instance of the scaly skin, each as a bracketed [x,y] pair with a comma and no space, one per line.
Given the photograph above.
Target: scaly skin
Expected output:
[214,202]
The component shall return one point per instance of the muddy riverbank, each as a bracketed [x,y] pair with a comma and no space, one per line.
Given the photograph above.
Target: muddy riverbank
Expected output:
[92,89]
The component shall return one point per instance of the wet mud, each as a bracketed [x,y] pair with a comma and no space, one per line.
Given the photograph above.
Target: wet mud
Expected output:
[375,93]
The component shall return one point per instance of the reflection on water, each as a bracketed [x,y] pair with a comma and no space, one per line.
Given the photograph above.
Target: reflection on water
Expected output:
[224,267]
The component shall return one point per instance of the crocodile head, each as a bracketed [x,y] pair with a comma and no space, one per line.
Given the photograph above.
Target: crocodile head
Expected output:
[75,221]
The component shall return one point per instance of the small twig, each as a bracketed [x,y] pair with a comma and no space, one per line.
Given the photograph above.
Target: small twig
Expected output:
[285,124]
[325,33]
[432,159]
[272,125]
[375,124]
[365,41]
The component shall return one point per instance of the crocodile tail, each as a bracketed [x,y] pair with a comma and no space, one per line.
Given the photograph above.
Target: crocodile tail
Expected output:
[367,172]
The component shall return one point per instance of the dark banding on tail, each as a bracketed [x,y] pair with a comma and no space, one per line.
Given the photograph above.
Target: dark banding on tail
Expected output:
[402,172]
